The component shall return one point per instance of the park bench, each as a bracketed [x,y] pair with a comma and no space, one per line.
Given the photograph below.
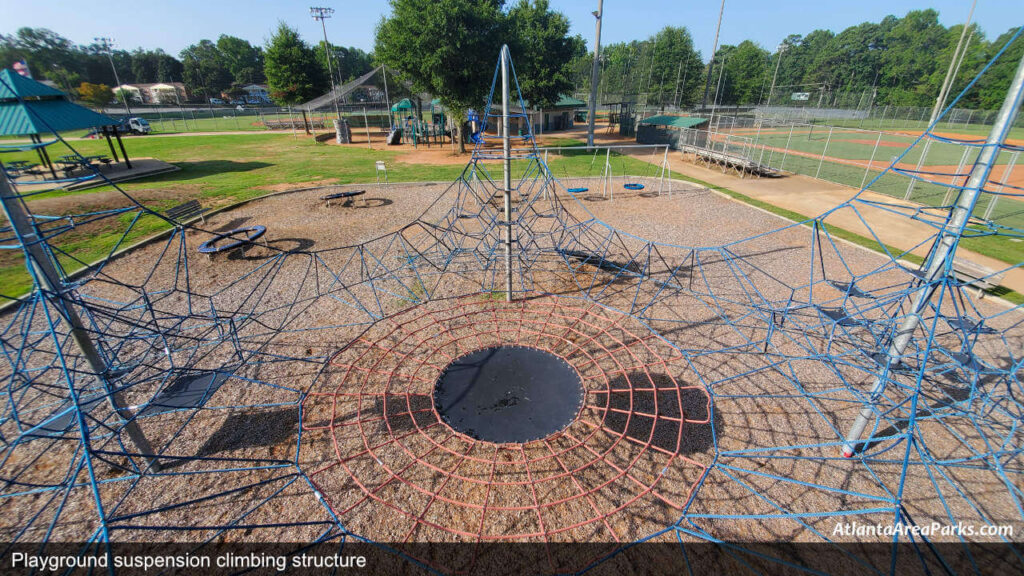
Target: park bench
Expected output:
[186,211]
[976,275]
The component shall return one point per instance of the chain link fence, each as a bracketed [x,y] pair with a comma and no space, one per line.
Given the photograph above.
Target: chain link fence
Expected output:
[237,119]
[928,174]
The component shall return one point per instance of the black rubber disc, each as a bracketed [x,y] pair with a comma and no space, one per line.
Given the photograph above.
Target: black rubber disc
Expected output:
[508,394]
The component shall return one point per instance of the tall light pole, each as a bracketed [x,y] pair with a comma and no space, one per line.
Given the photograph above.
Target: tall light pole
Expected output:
[322,14]
[782,48]
[595,73]
[711,65]
[108,45]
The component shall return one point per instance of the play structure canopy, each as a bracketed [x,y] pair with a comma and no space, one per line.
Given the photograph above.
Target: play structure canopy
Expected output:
[29,107]
[403,104]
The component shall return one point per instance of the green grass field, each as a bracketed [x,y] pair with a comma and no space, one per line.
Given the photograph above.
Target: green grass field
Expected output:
[890,124]
[851,158]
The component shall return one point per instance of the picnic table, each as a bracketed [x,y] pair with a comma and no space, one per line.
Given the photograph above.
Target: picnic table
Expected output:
[17,168]
[73,161]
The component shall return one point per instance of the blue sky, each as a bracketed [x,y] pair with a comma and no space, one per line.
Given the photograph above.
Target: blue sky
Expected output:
[174,25]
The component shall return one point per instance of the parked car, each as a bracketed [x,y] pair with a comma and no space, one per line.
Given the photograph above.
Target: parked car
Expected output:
[236,101]
[217,101]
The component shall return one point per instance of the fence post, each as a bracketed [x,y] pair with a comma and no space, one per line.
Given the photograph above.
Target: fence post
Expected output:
[1002,182]
[952,181]
[823,150]
[606,184]
[785,152]
[871,161]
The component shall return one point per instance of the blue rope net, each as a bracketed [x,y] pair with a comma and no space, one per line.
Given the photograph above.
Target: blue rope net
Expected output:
[286,403]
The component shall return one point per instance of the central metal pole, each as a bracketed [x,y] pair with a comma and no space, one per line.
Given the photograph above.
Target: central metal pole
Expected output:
[943,250]
[39,260]
[506,148]
[595,76]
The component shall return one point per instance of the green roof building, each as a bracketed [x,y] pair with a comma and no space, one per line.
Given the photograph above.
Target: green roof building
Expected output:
[31,108]
[665,129]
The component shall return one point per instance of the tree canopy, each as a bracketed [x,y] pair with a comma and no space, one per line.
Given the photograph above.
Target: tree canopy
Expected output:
[542,50]
[99,95]
[205,70]
[455,60]
[293,73]
[448,47]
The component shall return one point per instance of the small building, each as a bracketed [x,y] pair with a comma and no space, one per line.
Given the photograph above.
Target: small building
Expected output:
[665,129]
[560,116]
[155,93]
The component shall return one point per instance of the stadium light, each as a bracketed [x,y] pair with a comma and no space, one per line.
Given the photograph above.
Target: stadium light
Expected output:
[594,75]
[322,14]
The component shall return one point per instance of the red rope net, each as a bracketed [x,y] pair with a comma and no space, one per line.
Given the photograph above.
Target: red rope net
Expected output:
[392,470]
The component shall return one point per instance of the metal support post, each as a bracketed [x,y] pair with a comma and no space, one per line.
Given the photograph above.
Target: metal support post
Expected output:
[941,255]
[52,287]
[867,170]
[823,150]
[506,149]
[595,76]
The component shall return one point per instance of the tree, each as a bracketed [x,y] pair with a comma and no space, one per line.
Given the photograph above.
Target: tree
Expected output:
[168,68]
[348,63]
[293,74]
[144,63]
[993,85]
[204,69]
[243,60]
[99,95]
[455,60]
[909,61]
[675,72]
[746,74]
[542,51]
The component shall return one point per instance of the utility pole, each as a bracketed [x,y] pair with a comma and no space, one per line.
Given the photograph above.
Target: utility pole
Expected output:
[108,45]
[940,100]
[52,287]
[322,14]
[782,48]
[595,74]
[711,64]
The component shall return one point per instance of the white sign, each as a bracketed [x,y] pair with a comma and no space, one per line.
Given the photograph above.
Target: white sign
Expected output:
[800,96]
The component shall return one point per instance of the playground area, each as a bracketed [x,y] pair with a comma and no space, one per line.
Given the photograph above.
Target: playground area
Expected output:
[430,355]
[388,467]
